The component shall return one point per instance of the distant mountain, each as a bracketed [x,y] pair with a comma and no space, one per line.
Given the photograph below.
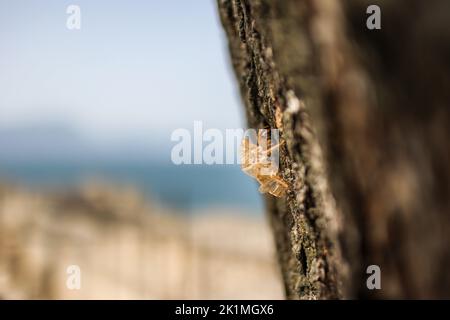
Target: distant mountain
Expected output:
[50,142]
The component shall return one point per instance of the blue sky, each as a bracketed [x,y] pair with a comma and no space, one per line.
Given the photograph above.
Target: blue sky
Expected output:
[114,91]
[134,72]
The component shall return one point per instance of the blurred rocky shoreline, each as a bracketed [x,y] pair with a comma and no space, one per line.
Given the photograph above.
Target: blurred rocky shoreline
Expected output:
[129,248]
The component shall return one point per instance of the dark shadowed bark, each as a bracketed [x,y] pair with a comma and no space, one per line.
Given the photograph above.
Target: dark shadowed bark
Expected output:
[365,116]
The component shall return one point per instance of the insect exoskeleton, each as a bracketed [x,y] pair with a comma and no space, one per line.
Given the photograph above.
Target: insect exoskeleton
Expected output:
[258,162]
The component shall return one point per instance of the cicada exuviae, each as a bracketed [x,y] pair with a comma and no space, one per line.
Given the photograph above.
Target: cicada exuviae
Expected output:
[260,161]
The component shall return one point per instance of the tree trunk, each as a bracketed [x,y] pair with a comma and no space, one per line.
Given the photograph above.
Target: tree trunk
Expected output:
[365,116]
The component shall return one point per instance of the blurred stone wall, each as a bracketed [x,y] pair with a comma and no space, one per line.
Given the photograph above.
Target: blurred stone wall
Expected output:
[128,249]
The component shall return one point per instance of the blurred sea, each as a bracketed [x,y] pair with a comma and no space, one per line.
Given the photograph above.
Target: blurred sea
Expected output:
[189,188]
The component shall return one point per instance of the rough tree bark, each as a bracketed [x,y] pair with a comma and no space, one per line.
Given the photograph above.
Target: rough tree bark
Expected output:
[365,116]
